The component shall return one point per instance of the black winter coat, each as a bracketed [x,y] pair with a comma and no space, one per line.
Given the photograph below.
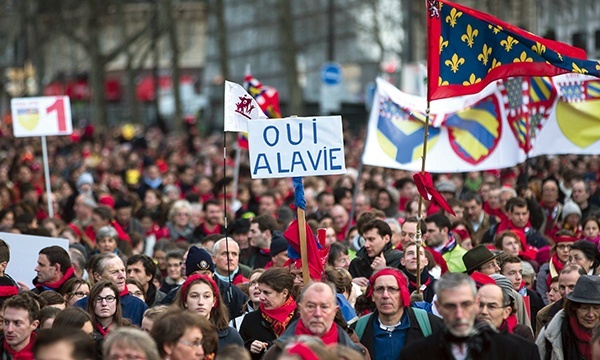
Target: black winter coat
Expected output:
[488,344]
[361,264]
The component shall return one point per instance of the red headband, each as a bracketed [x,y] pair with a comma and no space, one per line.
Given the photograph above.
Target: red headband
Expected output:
[303,351]
[191,279]
[564,238]
[400,279]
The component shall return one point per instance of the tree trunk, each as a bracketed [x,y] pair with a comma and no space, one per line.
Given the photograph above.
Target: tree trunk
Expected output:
[171,25]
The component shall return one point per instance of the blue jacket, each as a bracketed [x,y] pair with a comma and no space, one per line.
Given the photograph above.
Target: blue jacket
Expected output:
[132,307]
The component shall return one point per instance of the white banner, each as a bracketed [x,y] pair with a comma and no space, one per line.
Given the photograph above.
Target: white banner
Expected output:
[573,126]
[468,133]
[41,116]
[296,147]
[239,108]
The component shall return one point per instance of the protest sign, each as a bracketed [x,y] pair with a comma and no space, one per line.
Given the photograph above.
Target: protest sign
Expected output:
[296,146]
[41,116]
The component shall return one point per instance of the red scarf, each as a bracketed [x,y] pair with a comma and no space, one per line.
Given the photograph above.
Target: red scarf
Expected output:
[330,337]
[508,225]
[102,331]
[58,283]
[124,292]
[582,338]
[509,324]
[26,353]
[280,317]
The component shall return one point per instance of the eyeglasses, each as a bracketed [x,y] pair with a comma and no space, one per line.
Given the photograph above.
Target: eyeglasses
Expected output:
[563,246]
[182,214]
[79,294]
[194,344]
[109,299]
[491,265]
[382,289]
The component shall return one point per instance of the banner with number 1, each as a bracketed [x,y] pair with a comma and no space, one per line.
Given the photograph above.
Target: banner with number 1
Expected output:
[41,116]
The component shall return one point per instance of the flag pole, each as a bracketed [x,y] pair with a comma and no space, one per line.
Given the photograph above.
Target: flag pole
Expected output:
[419,233]
[301,213]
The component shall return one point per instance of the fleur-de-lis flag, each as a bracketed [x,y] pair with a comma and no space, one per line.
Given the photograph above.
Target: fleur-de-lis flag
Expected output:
[468,49]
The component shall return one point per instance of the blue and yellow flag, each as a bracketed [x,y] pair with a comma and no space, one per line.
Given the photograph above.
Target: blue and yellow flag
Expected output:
[468,49]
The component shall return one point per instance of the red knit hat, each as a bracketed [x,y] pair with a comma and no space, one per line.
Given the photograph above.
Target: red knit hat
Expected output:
[400,278]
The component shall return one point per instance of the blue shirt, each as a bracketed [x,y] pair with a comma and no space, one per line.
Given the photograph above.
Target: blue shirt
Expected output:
[388,344]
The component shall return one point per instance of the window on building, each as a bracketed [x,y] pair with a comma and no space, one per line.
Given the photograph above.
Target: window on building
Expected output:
[579,40]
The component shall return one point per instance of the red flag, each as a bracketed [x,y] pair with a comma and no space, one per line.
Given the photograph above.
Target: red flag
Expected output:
[267,98]
[427,190]
[468,49]
[316,257]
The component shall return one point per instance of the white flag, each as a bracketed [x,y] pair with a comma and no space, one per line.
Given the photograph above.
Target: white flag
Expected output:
[239,108]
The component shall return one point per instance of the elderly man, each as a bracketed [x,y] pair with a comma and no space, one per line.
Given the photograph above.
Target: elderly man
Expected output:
[496,307]
[109,266]
[463,337]
[317,308]
[395,323]
[226,253]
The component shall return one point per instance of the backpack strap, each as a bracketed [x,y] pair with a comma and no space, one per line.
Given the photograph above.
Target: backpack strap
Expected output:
[361,325]
[423,320]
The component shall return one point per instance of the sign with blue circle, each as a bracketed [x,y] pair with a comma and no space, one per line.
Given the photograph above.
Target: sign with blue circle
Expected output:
[331,74]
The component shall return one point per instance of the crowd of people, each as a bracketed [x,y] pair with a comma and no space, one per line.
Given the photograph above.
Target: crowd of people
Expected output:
[170,258]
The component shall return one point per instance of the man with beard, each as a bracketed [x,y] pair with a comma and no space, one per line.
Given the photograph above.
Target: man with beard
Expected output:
[213,217]
[462,336]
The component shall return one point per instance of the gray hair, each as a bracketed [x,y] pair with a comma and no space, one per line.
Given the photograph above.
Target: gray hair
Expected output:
[394,225]
[217,246]
[107,231]
[101,260]
[178,205]
[131,338]
[451,281]
[311,285]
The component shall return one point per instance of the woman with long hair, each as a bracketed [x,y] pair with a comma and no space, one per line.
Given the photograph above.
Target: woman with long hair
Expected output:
[200,294]
[276,311]
[104,307]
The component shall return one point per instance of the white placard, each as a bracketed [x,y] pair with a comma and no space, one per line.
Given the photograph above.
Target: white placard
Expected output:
[24,250]
[290,147]
[41,116]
